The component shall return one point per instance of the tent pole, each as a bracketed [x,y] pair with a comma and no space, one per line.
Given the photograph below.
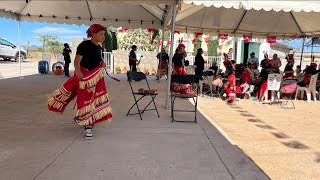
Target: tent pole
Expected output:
[161,50]
[174,13]
[304,38]
[19,48]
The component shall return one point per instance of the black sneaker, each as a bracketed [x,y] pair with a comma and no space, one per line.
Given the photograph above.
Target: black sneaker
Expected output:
[88,132]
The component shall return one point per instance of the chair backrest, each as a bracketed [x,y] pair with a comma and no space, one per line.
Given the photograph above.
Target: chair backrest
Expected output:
[313,81]
[190,69]
[185,79]
[136,76]
[274,81]
[209,75]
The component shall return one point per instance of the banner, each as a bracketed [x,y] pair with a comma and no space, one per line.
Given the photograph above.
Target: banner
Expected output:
[207,40]
[271,39]
[223,36]
[247,38]
[197,34]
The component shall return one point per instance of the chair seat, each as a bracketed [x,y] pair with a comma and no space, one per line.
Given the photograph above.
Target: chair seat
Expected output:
[146,93]
[302,88]
[184,95]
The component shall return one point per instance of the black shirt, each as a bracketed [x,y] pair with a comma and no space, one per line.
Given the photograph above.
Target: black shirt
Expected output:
[199,62]
[66,55]
[165,56]
[91,54]
[178,59]
[215,68]
[265,72]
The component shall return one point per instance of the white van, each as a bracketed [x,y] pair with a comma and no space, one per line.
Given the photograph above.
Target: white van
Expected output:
[10,51]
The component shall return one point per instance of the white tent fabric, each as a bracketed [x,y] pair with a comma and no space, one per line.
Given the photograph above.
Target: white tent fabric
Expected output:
[131,14]
[284,19]
[286,6]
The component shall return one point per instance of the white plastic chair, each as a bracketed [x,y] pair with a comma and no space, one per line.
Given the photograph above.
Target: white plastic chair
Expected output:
[274,84]
[190,69]
[207,80]
[311,89]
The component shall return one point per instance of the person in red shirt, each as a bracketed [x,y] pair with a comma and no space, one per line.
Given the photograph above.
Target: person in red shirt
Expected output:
[230,85]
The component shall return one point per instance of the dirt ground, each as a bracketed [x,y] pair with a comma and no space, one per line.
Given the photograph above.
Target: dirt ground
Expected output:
[285,143]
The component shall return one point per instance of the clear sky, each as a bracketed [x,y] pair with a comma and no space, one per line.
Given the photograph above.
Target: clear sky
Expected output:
[29,31]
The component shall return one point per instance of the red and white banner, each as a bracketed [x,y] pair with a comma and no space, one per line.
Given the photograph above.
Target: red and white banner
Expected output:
[271,39]
[223,36]
[197,34]
[123,29]
[207,40]
[247,38]
[151,30]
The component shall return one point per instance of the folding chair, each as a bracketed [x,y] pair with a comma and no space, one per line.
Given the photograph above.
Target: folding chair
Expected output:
[138,76]
[208,76]
[274,84]
[287,90]
[182,80]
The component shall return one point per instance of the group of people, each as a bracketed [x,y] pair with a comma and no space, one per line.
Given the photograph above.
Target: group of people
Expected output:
[93,102]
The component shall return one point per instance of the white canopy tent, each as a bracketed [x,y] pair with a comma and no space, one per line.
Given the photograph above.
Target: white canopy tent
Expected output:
[283,19]
[129,13]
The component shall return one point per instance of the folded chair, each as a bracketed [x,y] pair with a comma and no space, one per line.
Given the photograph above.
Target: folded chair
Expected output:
[182,80]
[141,93]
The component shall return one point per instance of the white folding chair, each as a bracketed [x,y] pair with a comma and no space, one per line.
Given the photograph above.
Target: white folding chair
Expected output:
[274,84]
[207,80]
[311,89]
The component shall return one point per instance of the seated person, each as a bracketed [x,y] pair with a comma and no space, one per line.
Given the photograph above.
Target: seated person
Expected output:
[311,70]
[254,73]
[245,81]
[299,74]
[230,85]
[263,78]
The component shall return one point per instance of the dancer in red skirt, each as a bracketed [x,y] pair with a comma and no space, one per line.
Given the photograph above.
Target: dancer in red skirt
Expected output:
[88,85]
[178,69]
[230,86]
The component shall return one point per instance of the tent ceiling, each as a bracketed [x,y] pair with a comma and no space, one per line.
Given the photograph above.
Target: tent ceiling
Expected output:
[241,17]
[278,5]
[134,13]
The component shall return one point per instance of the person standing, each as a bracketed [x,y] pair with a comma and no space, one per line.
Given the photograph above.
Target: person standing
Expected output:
[133,59]
[276,61]
[254,59]
[178,61]
[67,60]
[87,85]
[199,62]
[163,64]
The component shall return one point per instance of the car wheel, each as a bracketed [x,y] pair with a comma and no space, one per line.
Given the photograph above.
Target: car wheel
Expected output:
[22,56]
[7,59]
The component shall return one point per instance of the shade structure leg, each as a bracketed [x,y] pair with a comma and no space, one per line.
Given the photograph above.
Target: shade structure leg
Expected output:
[174,13]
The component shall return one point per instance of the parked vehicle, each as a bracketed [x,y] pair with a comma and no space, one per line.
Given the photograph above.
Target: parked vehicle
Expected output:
[10,51]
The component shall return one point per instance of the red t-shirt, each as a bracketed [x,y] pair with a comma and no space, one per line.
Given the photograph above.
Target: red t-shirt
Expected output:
[245,77]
